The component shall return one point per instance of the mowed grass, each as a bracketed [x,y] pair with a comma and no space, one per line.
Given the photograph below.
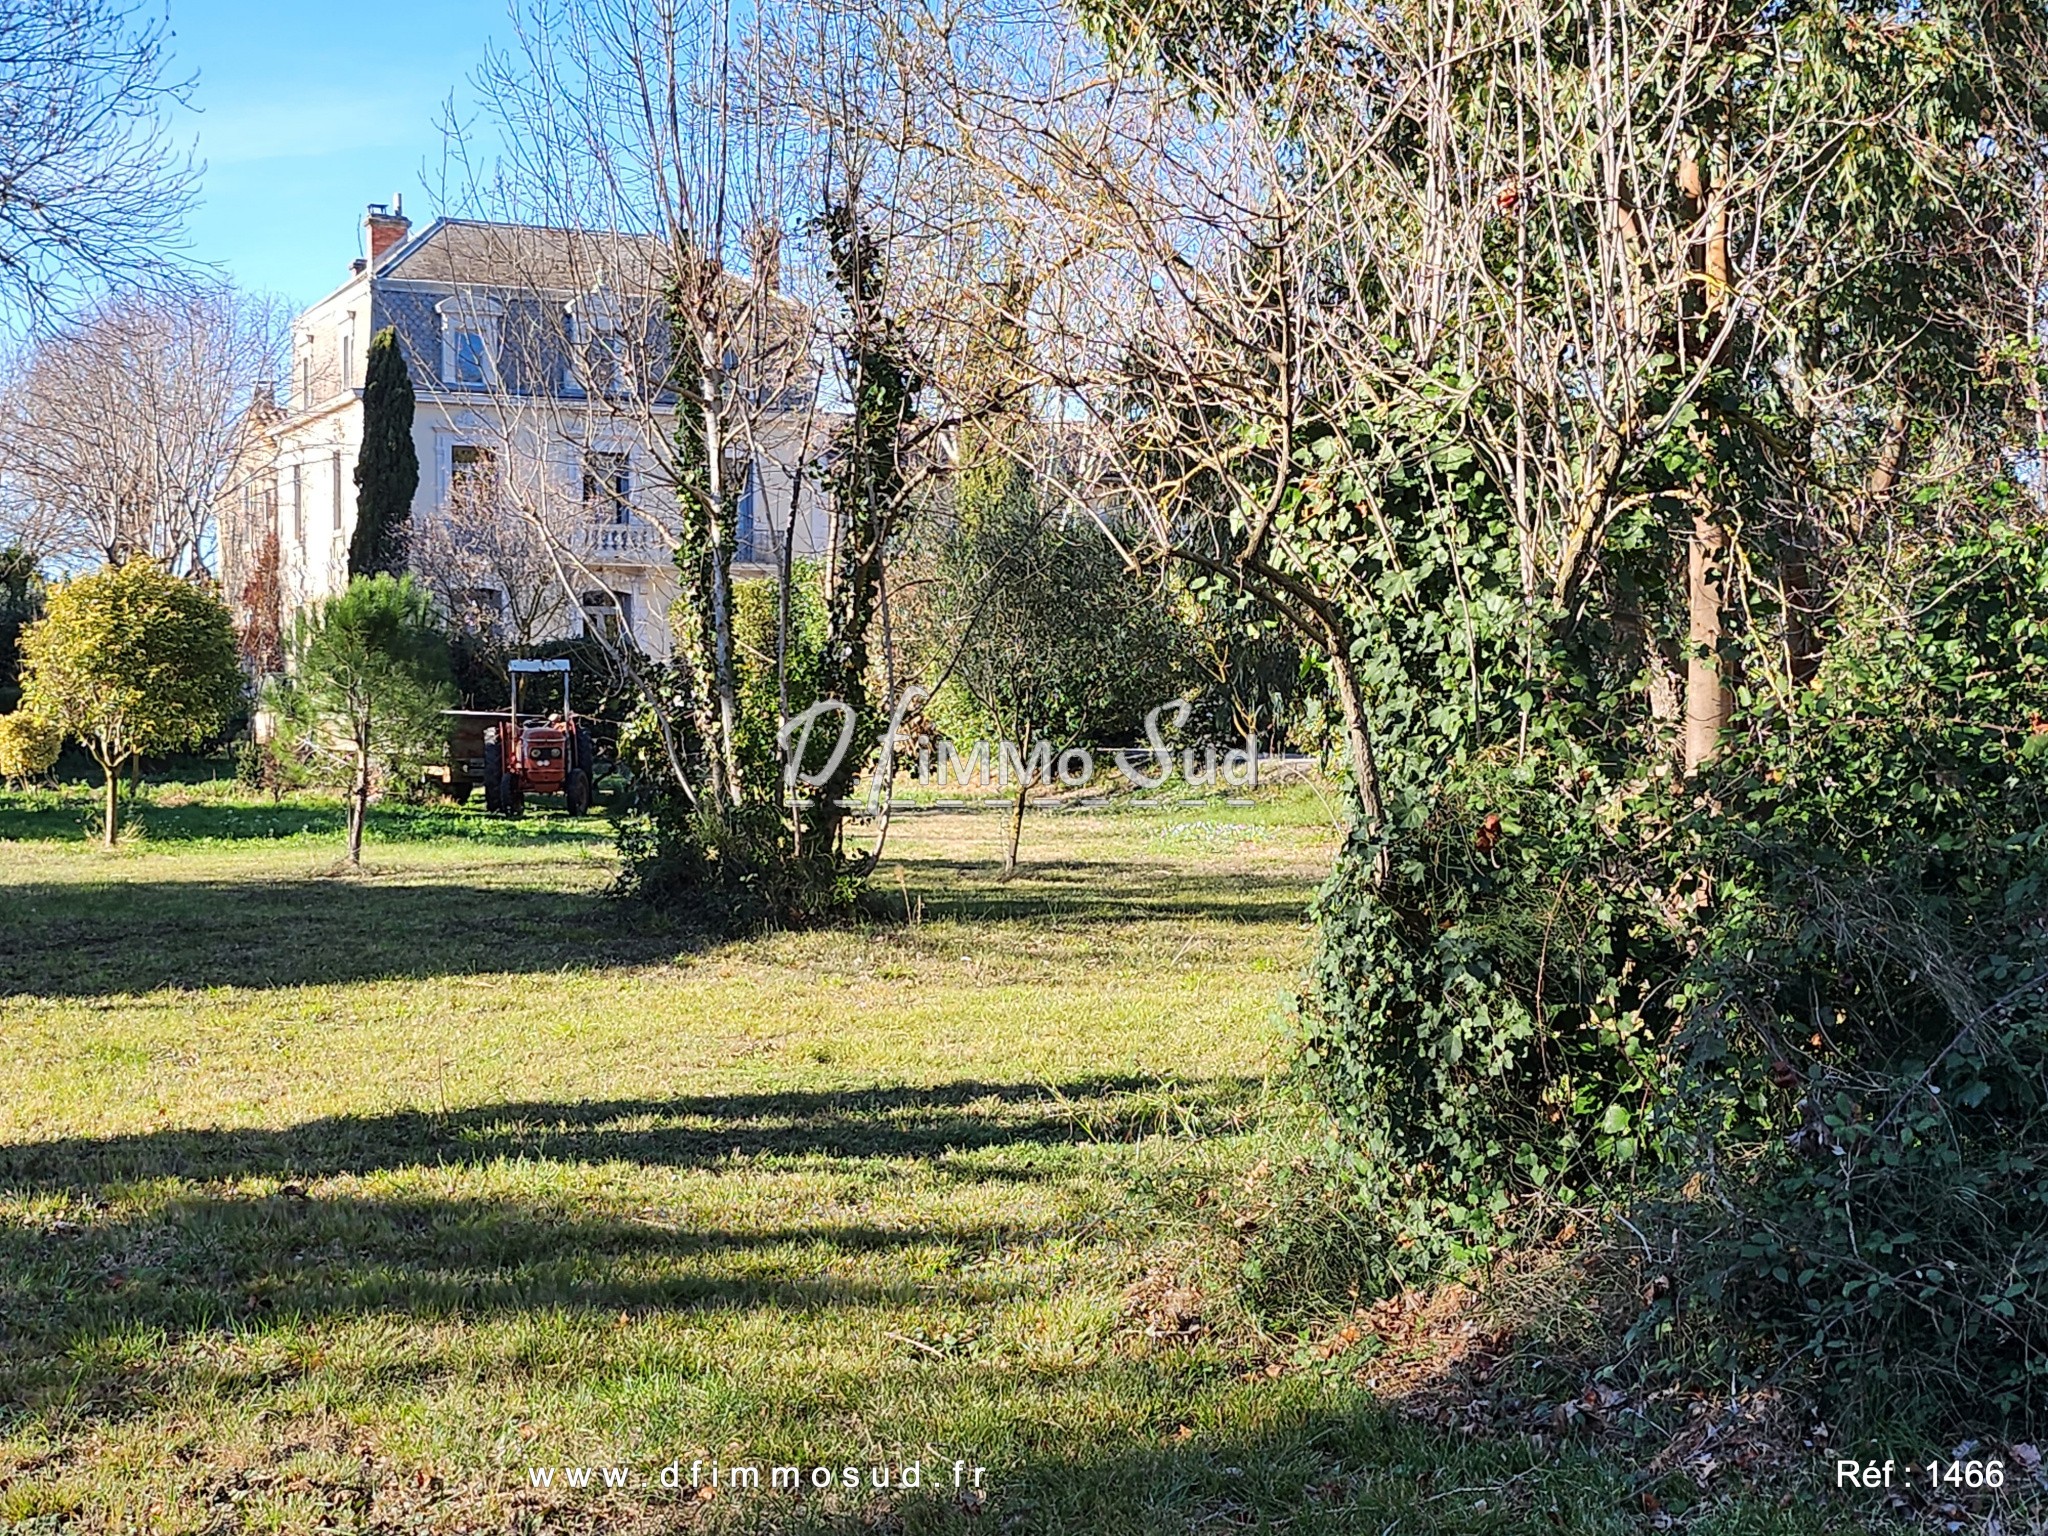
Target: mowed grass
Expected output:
[337,1202]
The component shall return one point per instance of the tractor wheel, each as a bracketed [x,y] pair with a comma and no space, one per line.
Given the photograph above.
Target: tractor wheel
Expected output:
[512,795]
[494,773]
[576,791]
[459,793]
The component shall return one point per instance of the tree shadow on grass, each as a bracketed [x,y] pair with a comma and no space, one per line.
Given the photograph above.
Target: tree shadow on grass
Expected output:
[72,939]
[102,1268]
[1097,892]
[1338,1464]
[84,1302]
[114,937]
[685,1132]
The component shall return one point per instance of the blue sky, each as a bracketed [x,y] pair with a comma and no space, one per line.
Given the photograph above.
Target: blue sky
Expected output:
[307,112]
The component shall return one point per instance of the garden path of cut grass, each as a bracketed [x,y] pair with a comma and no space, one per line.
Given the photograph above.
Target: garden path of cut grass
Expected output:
[348,1202]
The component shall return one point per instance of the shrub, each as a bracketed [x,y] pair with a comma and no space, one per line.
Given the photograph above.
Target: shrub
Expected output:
[131,660]
[1796,1013]
[1865,1050]
[29,746]
[1484,1026]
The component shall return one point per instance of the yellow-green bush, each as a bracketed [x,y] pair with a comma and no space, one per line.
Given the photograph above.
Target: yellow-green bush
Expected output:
[28,746]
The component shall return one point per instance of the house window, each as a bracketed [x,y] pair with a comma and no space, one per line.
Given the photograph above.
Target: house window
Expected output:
[608,614]
[737,476]
[471,360]
[299,503]
[597,361]
[469,341]
[608,361]
[608,487]
[334,465]
[472,472]
[306,374]
[347,350]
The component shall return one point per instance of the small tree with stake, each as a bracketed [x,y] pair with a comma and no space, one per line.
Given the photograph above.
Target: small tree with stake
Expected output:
[388,467]
[367,676]
[128,661]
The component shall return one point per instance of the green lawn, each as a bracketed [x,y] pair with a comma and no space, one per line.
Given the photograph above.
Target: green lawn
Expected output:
[335,1202]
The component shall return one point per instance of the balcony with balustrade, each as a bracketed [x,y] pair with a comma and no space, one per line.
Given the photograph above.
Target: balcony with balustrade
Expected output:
[610,543]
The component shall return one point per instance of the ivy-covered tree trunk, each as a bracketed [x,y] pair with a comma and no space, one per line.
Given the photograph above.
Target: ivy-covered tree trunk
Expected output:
[707,515]
[866,485]
[388,467]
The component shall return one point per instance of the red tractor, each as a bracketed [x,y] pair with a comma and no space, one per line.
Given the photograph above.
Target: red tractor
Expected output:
[537,754]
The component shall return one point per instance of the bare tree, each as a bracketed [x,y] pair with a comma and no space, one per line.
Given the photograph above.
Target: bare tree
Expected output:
[727,201]
[1263,271]
[119,433]
[495,559]
[93,190]
[637,172]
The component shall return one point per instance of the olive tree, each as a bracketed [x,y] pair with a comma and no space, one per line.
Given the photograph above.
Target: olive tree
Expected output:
[130,660]
[1030,626]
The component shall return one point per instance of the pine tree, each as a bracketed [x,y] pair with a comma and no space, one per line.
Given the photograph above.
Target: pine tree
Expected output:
[388,468]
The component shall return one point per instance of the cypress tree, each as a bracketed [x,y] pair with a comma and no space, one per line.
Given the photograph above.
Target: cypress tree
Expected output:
[387,469]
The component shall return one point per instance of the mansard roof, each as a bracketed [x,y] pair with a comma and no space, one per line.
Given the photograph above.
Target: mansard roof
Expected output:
[472,252]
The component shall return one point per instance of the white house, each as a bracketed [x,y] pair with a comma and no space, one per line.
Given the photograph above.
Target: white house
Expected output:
[529,350]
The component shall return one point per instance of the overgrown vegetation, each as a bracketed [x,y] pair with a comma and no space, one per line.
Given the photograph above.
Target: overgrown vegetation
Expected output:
[1787,1016]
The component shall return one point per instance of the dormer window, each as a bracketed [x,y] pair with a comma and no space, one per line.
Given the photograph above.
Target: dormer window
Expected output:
[469,341]
[470,361]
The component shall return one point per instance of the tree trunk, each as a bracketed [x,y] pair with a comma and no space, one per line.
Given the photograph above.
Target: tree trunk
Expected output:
[358,807]
[1024,739]
[1708,699]
[1702,315]
[1884,470]
[1016,830]
[112,816]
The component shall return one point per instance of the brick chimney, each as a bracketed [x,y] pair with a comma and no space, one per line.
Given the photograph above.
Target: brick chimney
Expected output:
[388,226]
